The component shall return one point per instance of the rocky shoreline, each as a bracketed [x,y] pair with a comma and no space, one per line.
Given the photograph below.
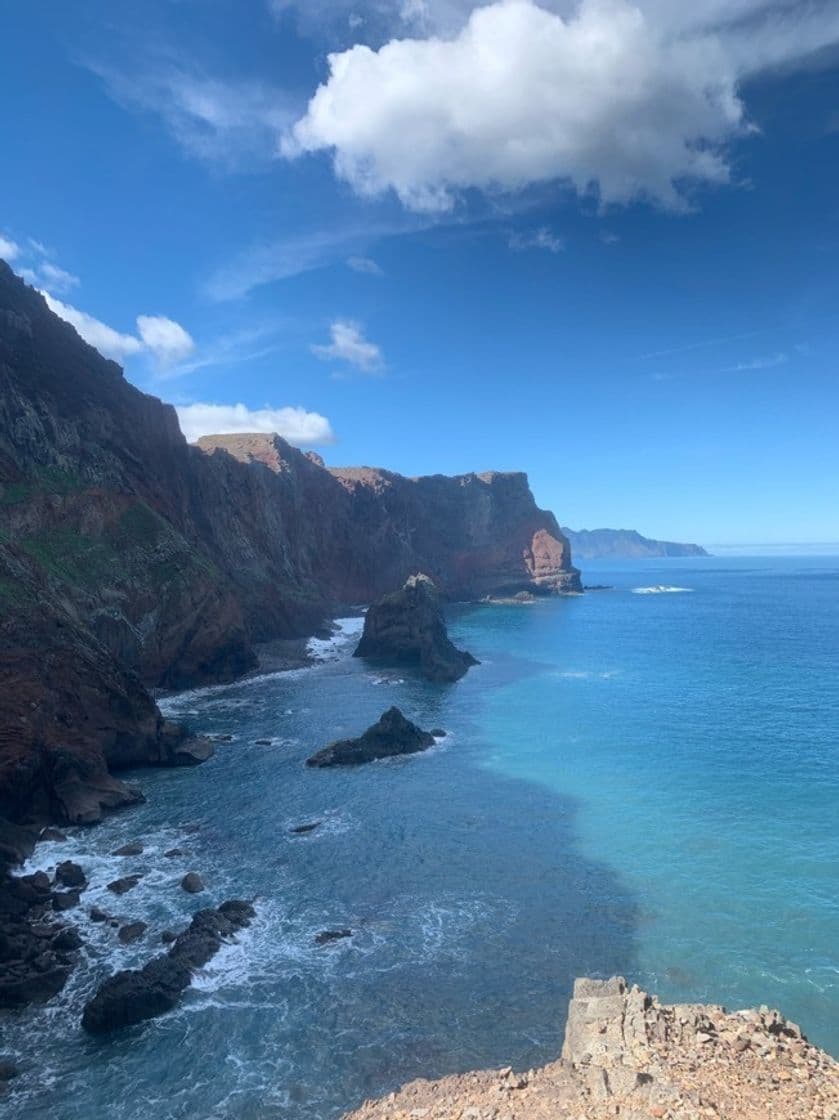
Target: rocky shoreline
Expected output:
[627,1055]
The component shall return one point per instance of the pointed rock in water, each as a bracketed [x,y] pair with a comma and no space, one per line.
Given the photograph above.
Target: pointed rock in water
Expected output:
[407,627]
[392,735]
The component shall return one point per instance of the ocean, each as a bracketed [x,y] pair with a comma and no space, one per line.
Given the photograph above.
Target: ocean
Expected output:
[642,780]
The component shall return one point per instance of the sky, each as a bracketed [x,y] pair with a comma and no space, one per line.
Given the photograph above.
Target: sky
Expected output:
[596,241]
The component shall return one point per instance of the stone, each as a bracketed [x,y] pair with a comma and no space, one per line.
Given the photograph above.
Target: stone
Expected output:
[132,932]
[135,848]
[174,852]
[53,835]
[305,829]
[70,874]
[65,900]
[97,915]
[67,940]
[262,742]
[168,937]
[328,936]
[407,627]
[192,883]
[392,735]
[125,884]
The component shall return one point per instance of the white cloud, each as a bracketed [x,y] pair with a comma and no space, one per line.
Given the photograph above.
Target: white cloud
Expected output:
[620,99]
[57,278]
[165,338]
[542,238]
[365,265]
[106,340]
[349,345]
[299,427]
[9,250]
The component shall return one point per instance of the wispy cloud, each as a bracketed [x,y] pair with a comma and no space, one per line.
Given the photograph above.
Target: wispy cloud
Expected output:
[542,238]
[350,347]
[705,343]
[769,361]
[365,265]
[292,256]
[232,124]
[297,425]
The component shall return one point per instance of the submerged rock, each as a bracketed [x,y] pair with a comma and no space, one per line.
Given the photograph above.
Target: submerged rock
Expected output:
[392,735]
[127,883]
[134,995]
[305,829]
[327,936]
[407,627]
[135,848]
[132,932]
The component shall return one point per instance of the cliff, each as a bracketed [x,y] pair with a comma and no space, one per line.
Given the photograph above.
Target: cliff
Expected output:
[130,559]
[597,544]
[627,1055]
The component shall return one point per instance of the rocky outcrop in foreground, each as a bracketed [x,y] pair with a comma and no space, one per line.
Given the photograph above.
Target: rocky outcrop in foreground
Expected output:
[627,1055]
[392,735]
[407,627]
[134,995]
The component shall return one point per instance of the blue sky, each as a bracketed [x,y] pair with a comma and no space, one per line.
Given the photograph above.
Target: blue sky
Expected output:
[597,242]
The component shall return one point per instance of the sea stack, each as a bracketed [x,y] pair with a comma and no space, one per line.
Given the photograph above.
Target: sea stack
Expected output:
[407,627]
[392,735]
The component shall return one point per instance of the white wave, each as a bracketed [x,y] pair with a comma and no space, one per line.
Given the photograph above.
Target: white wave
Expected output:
[660,589]
[336,645]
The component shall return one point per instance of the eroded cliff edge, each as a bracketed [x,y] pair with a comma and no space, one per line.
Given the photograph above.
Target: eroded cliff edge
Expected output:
[627,1055]
[131,560]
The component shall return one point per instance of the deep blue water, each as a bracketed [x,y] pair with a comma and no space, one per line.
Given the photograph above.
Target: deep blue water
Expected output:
[636,783]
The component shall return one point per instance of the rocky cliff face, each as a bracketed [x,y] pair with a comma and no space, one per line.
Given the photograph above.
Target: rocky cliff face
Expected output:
[130,559]
[627,1055]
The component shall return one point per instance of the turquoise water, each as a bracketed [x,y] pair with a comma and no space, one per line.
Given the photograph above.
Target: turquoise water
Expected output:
[644,783]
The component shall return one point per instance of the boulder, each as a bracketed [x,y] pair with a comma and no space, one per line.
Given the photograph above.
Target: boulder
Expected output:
[98,915]
[131,932]
[127,883]
[65,900]
[133,996]
[407,627]
[135,848]
[392,735]
[192,883]
[70,874]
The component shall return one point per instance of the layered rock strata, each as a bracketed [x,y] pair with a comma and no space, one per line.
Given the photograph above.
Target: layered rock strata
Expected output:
[627,1055]
[407,627]
[131,560]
